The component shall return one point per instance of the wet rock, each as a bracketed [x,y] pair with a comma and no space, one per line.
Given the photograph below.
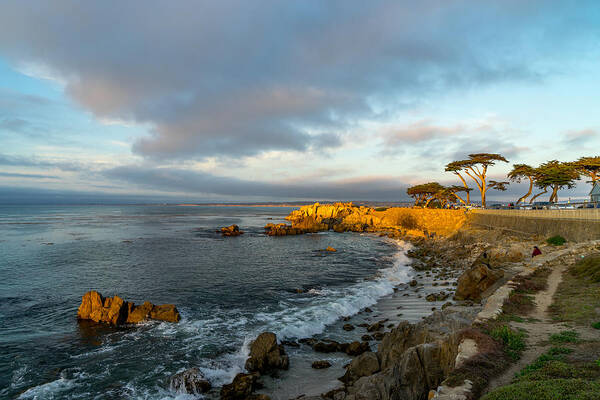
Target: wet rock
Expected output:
[190,381]
[321,364]
[326,347]
[231,230]
[364,365]
[348,327]
[378,335]
[308,341]
[116,311]
[357,348]
[446,304]
[368,310]
[329,248]
[413,283]
[241,388]
[266,354]
[437,296]
[473,282]
[282,230]
[290,343]
[366,338]
[375,327]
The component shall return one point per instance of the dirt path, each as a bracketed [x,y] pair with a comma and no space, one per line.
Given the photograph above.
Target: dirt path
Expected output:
[538,331]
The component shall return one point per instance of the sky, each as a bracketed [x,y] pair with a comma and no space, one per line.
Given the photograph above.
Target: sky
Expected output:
[250,101]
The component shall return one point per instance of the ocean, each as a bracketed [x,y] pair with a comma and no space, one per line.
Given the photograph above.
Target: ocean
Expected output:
[228,290]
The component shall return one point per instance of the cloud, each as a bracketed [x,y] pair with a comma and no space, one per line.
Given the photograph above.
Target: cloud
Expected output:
[238,78]
[33,161]
[201,183]
[580,137]
[26,176]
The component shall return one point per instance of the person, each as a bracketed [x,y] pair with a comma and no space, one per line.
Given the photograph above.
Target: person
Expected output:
[536,251]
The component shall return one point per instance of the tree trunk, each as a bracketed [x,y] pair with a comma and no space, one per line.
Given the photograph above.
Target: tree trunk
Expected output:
[528,193]
[538,195]
[554,195]
[466,187]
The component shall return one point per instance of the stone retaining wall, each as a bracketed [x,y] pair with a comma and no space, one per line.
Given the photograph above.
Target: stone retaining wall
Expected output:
[573,225]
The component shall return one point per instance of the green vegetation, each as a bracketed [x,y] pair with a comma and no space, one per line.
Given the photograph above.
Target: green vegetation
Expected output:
[514,341]
[596,325]
[556,240]
[565,337]
[408,221]
[520,302]
[588,267]
[381,208]
[578,295]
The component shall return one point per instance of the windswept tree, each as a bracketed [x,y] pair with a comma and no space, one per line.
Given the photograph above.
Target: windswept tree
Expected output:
[476,167]
[501,186]
[555,175]
[456,167]
[520,172]
[424,193]
[589,166]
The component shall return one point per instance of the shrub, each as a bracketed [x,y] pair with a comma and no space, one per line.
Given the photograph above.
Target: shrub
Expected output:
[556,240]
[596,325]
[565,337]
[381,208]
[407,221]
[514,341]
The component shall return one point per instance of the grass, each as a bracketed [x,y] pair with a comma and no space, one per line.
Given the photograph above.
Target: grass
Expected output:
[550,389]
[578,295]
[556,240]
[513,341]
[564,337]
[588,268]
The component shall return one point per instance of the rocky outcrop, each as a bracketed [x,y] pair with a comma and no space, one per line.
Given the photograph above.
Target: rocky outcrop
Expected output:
[282,230]
[321,364]
[266,354]
[190,381]
[364,365]
[231,230]
[241,388]
[411,359]
[473,282]
[116,311]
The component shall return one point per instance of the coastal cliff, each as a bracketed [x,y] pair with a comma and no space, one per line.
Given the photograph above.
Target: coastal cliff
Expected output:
[343,217]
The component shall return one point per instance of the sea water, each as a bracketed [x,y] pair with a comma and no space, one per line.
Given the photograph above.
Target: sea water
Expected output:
[227,290]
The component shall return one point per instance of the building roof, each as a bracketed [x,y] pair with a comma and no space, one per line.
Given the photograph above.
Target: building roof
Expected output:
[595,189]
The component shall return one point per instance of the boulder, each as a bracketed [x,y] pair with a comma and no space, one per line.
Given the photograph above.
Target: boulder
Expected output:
[266,354]
[282,230]
[357,348]
[321,364]
[473,282]
[348,327]
[364,365]
[326,347]
[231,230]
[190,381]
[241,388]
[331,249]
[116,311]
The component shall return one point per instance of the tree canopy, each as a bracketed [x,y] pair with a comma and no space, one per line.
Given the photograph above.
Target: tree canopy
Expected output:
[589,166]
[520,172]
[555,175]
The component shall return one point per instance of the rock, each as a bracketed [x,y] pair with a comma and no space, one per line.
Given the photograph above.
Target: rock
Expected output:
[364,365]
[378,335]
[266,354]
[413,283]
[437,296]
[329,248]
[231,230]
[366,338]
[473,282]
[290,343]
[357,348]
[190,381]
[241,388]
[116,311]
[322,364]
[165,312]
[326,347]
[282,230]
[308,341]
[368,310]
[348,327]
[375,327]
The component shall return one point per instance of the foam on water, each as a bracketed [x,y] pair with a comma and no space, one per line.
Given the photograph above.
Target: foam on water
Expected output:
[301,321]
